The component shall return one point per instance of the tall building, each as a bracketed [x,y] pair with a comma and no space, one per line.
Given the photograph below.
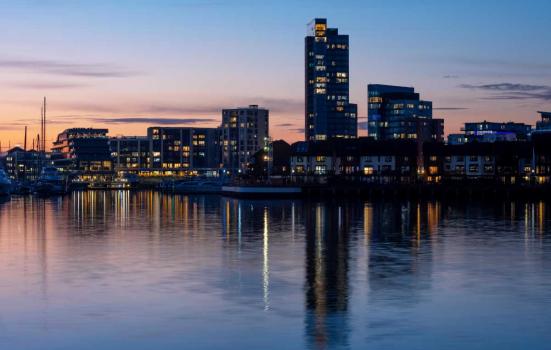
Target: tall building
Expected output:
[84,152]
[397,112]
[245,131]
[329,113]
[184,151]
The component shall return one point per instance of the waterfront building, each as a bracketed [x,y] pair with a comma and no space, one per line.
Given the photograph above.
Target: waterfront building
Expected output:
[22,165]
[541,141]
[272,160]
[492,132]
[244,132]
[130,154]
[83,152]
[183,151]
[329,113]
[545,123]
[364,159]
[498,162]
[397,112]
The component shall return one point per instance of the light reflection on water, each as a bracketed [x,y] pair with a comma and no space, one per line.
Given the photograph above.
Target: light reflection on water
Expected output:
[114,270]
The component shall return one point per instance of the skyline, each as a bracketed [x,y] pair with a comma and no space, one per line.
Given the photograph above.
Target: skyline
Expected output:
[157,63]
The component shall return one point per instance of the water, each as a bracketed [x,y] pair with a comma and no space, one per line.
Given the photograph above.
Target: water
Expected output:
[120,270]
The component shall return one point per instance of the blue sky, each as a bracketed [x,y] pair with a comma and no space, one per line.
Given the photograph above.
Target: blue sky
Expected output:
[100,61]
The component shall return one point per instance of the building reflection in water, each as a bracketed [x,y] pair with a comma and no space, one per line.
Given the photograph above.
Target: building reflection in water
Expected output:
[396,244]
[326,266]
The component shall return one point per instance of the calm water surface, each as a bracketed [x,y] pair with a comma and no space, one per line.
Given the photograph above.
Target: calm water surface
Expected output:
[120,270]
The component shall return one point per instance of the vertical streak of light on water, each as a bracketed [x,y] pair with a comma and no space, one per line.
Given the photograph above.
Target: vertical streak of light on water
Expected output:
[239,227]
[266,266]
[293,208]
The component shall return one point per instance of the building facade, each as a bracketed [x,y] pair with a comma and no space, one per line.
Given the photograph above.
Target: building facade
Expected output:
[329,113]
[22,165]
[362,159]
[545,122]
[83,152]
[130,154]
[244,131]
[499,162]
[397,112]
[183,151]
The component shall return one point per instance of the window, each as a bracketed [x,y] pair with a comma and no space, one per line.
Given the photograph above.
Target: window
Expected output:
[368,170]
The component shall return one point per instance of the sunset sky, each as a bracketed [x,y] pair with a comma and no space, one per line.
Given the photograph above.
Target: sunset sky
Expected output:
[129,64]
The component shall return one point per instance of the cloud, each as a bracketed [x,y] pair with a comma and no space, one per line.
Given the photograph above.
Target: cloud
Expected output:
[275,105]
[513,91]
[157,121]
[451,77]
[505,87]
[46,85]
[53,67]
[285,125]
[450,109]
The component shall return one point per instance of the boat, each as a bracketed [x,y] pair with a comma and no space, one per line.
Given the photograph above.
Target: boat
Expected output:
[5,184]
[125,182]
[50,182]
[198,186]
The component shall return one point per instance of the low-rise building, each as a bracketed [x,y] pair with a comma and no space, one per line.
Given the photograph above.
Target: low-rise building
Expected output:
[22,165]
[500,162]
[545,122]
[364,159]
[491,132]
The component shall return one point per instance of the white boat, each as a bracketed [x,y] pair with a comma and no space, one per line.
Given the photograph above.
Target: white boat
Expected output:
[5,183]
[50,182]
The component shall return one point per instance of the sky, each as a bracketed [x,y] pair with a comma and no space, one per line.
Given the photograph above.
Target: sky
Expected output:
[129,64]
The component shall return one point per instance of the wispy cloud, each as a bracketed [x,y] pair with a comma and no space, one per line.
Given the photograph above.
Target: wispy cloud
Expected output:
[53,67]
[156,121]
[450,109]
[512,91]
[275,105]
[285,125]
[46,85]
[505,87]
[451,76]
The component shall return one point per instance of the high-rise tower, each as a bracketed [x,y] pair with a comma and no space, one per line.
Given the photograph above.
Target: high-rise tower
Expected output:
[329,113]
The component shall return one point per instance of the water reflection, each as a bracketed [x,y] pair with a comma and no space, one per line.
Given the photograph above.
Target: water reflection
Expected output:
[327,287]
[322,274]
